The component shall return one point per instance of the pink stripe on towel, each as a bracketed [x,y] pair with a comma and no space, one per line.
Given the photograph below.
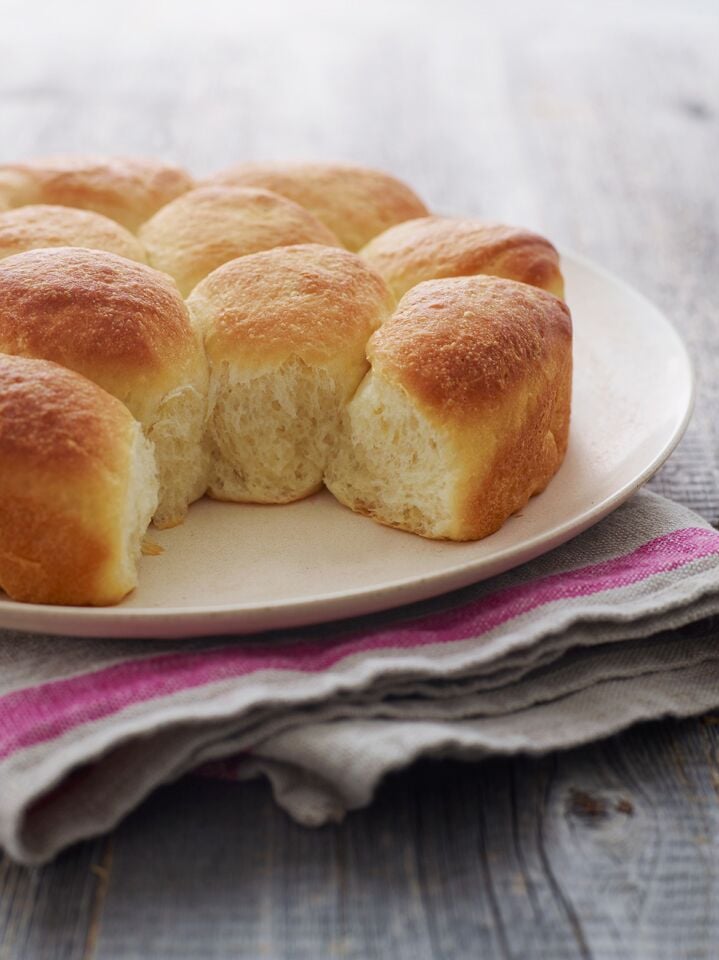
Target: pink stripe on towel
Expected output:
[38,714]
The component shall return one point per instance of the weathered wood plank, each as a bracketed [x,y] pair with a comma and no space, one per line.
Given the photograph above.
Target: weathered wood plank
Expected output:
[636,862]
[606,852]
[597,123]
[53,913]
[617,111]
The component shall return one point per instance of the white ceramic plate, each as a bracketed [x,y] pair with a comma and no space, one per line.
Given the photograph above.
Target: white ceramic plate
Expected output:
[240,568]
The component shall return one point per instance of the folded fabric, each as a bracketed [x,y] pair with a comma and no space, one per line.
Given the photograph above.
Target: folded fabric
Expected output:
[611,628]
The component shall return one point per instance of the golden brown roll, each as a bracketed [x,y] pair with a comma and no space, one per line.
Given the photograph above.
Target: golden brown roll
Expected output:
[125,327]
[42,225]
[434,247]
[77,487]
[207,227]
[285,334]
[356,203]
[126,189]
[465,412]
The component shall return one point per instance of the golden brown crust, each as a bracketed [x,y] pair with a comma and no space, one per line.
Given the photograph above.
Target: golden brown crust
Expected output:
[65,448]
[355,202]
[42,225]
[307,301]
[119,323]
[489,362]
[531,432]
[431,248]
[210,226]
[126,189]
[460,344]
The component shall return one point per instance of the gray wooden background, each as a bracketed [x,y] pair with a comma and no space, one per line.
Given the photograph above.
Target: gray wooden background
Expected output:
[597,123]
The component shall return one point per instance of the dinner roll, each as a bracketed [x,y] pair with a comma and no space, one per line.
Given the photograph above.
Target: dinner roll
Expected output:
[465,412]
[126,189]
[77,487]
[207,227]
[41,225]
[356,203]
[285,333]
[124,326]
[433,247]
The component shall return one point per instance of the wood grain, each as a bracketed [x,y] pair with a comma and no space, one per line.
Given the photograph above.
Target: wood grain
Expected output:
[597,123]
[605,852]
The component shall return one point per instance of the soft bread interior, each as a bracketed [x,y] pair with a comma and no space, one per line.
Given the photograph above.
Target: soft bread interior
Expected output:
[177,433]
[270,434]
[391,463]
[140,503]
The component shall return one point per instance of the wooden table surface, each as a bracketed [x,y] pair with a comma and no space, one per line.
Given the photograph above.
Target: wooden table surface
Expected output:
[597,123]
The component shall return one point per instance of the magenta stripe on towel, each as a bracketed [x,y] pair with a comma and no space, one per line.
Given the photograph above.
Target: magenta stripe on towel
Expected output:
[44,712]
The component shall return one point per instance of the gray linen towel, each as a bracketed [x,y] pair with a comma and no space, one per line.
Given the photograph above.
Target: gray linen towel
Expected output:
[609,629]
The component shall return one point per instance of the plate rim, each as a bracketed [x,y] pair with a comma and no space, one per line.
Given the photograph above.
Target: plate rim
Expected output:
[177,622]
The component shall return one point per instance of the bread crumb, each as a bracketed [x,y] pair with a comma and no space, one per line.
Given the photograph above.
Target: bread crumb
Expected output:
[150,548]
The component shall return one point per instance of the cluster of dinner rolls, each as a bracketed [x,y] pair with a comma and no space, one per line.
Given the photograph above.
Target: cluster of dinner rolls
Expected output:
[254,336]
